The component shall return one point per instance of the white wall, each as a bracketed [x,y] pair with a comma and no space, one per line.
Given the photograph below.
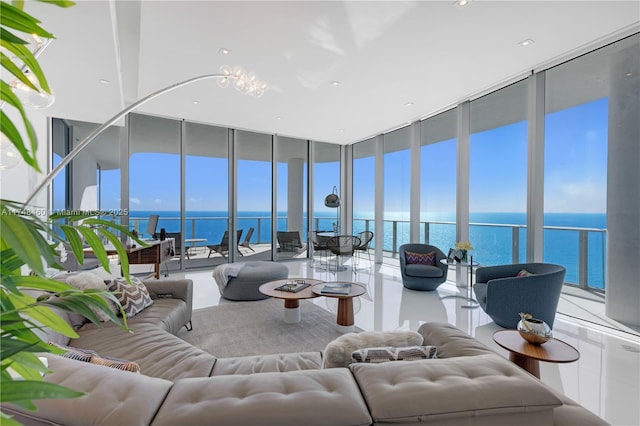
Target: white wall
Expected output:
[17,183]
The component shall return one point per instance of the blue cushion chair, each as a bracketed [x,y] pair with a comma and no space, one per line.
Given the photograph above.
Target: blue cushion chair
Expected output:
[422,277]
[503,294]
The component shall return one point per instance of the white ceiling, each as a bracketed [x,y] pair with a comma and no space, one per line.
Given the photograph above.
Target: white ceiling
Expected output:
[433,54]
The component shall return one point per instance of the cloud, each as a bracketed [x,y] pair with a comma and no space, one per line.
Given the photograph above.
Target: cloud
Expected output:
[134,200]
[584,197]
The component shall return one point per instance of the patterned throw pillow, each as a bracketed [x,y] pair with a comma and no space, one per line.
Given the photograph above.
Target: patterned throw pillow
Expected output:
[87,355]
[524,273]
[133,297]
[389,353]
[420,258]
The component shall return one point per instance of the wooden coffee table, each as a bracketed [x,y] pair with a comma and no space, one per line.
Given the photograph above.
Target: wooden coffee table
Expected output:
[291,300]
[345,320]
[527,355]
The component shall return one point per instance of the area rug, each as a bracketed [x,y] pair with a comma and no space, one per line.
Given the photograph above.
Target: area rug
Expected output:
[257,328]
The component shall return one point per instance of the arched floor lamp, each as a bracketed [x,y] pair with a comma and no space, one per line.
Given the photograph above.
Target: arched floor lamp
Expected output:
[243,82]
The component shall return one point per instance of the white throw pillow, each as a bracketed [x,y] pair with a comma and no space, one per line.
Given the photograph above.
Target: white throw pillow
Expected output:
[338,353]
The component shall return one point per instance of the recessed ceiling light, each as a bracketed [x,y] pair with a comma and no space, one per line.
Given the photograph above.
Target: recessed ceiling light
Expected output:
[526,42]
[335,83]
[409,104]
[196,102]
[224,51]
[104,81]
[279,118]
[341,130]
[462,3]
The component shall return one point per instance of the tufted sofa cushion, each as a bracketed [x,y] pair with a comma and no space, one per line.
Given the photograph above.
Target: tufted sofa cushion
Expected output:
[446,390]
[311,397]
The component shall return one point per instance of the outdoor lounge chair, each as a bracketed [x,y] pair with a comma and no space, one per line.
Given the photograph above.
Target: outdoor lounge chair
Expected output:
[289,241]
[223,247]
[246,242]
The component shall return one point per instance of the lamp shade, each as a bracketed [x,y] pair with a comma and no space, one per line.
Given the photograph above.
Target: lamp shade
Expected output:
[332,200]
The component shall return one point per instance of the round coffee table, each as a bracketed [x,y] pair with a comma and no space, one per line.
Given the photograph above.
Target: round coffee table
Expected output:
[527,355]
[291,300]
[345,320]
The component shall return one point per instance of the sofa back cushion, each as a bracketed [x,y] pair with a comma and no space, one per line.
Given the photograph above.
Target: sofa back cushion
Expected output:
[159,353]
[483,389]
[113,397]
[310,397]
[45,333]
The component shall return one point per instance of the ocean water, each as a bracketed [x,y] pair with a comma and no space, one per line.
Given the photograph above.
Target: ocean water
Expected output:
[491,234]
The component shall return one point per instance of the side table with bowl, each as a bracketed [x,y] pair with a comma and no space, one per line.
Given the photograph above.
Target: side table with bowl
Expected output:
[527,355]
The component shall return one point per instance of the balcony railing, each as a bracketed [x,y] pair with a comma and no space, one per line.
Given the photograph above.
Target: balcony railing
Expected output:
[580,250]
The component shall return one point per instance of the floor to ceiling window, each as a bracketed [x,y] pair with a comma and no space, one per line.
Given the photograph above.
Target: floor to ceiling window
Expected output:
[60,148]
[438,159]
[364,189]
[91,182]
[154,173]
[397,184]
[253,186]
[291,202]
[326,180]
[206,200]
[498,144]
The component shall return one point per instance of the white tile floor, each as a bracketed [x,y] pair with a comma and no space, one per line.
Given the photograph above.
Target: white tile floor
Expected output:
[606,378]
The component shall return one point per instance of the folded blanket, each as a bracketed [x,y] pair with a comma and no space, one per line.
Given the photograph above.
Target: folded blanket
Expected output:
[223,274]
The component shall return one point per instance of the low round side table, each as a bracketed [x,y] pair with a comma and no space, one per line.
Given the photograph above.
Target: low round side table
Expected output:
[345,320]
[527,355]
[291,300]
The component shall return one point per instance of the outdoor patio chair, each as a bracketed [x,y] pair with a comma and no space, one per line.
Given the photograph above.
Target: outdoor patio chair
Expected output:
[319,244]
[223,247]
[246,242]
[365,239]
[289,241]
[341,246]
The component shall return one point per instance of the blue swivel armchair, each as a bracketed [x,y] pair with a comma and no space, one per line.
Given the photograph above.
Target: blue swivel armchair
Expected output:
[422,277]
[503,295]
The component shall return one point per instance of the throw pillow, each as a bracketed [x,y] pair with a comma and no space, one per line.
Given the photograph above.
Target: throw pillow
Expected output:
[47,334]
[338,352]
[420,258]
[88,280]
[133,297]
[87,355]
[524,273]
[378,355]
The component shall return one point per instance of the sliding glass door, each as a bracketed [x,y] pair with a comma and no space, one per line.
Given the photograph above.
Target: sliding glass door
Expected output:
[206,198]
[254,152]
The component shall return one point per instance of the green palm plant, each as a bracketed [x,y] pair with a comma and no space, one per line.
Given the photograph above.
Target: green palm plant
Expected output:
[27,244]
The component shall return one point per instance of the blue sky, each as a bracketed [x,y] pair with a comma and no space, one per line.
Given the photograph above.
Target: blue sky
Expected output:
[575,173]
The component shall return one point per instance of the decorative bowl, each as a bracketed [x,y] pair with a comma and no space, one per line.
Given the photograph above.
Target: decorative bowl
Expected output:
[534,331]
